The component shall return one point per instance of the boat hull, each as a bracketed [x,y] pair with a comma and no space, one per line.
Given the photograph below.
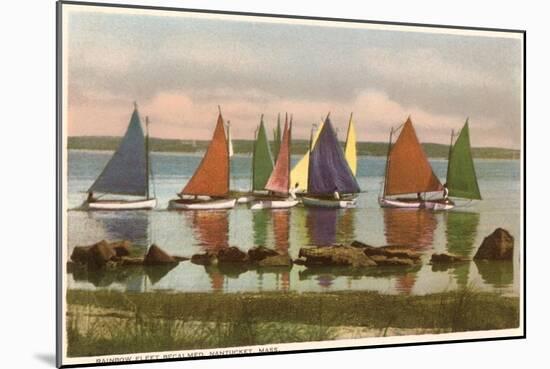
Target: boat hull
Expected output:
[121,204]
[329,203]
[415,204]
[245,199]
[272,204]
[180,204]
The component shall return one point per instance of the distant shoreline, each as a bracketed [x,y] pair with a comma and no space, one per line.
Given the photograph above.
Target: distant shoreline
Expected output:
[109,143]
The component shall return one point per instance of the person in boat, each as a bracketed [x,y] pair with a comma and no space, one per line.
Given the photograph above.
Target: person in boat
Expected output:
[419,196]
[90,197]
[292,191]
[336,194]
[446,193]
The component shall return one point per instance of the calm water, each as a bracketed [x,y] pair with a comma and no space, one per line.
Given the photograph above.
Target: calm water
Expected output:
[459,231]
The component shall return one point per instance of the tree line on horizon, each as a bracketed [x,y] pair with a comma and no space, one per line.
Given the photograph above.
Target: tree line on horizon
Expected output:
[299,146]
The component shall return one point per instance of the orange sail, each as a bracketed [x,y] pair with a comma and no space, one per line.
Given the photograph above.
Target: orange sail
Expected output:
[280,177]
[212,176]
[408,169]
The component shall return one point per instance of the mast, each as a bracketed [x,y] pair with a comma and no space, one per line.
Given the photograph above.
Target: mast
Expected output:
[449,156]
[313,126]
[349,126]
[228,156]
[254,154]
[290,152]
[147,169]
[387,163]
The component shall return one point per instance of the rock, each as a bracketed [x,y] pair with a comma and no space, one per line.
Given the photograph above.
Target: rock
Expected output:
[361,244]
[207,258]
[126,260]
[99,254]
[72,266]
[180,258]
[389,251]
[336,256]
[499,245]
[259,253]
[394,251]
[379,259]
[121,248]
[275,261]
[81,254]
[393,260]
[398,261]
[232,255]
[157,256]
[447,258]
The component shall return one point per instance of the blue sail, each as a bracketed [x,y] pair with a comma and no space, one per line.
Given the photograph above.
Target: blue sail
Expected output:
[328,169]
[126,172]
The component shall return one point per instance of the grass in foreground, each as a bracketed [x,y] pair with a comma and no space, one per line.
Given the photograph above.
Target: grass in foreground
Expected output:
[103,322]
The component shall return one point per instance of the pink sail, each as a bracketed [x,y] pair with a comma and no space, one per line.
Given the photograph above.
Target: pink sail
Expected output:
[280,177]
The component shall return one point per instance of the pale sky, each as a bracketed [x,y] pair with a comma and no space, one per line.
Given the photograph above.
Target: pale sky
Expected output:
[179,68]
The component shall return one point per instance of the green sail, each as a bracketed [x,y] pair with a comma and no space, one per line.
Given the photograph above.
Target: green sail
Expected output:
[461,174]
[262,161]
[461,234]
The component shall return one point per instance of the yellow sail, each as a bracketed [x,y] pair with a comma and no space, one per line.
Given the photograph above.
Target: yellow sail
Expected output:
[351,149]
[298,174]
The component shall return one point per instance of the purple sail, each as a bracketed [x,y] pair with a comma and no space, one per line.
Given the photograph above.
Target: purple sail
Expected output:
[328,169]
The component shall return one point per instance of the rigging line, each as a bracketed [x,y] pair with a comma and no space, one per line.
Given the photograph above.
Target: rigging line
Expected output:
[152,174]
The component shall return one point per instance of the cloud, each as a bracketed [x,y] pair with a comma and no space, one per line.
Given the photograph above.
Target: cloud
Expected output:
[180,69]
[177,115]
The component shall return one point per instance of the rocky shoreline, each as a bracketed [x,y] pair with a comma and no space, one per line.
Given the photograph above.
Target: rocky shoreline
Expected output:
[112,255]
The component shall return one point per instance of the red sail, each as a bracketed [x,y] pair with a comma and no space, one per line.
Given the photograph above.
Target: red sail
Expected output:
[408,168]
[280,177]
[212,176]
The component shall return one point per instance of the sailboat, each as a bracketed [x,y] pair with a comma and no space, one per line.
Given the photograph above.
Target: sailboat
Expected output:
[278,182]
[209,187]
[126,173]
[461,174]
[299,174]
[408,171]
[262,165]
[331,182]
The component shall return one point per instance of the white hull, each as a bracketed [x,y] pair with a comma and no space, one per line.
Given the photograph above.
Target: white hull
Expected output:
[328,203]
[272,204]
[415,204]
[121,204]
[202,205]
[245,199]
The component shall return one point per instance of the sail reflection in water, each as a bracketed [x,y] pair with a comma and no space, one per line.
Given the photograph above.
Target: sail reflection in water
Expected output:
[281,233]
[107,225]
[211,230]
[410,227]
[414,228]
[132,225]
[260,223]
[461,232]
[321,226]
[327,227]
[279,222]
